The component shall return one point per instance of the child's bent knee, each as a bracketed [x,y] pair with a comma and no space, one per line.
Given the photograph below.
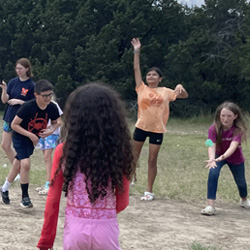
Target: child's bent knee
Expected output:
[25,166]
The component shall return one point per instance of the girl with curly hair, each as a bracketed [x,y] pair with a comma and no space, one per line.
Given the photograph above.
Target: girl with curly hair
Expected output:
[93,166]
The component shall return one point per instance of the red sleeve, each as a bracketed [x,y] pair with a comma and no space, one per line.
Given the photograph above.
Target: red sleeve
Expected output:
[122,198]
[51,212]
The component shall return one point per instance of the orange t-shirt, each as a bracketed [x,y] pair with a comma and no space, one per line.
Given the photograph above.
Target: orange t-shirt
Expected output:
[153,108]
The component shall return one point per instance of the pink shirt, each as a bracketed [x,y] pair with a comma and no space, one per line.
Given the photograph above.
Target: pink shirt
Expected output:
[227,137]
[153,108]
[78,204]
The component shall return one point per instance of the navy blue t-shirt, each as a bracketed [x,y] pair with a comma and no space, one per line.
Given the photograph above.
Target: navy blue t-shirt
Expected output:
[35,119]
[17,89]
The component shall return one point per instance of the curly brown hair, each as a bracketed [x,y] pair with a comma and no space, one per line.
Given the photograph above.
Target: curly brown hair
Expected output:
[96,139]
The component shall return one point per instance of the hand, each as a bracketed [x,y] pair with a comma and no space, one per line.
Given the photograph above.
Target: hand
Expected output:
[13,102]
[136,43]
[34,139]
[46,132]
[211,164]
[3,85]
[179,89]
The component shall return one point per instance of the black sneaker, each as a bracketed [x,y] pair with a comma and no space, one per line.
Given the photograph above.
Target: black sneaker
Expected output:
[5,196]
[26,203]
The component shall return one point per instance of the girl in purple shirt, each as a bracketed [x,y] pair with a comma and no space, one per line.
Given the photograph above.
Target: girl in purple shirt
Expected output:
[224,141]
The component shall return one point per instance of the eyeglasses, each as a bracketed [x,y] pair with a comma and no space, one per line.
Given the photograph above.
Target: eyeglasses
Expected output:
[48,95]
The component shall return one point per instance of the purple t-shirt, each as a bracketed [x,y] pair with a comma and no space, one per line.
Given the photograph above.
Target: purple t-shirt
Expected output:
[227,137]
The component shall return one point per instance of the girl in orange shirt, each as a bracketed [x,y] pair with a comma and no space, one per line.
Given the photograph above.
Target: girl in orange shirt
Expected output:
[153,112]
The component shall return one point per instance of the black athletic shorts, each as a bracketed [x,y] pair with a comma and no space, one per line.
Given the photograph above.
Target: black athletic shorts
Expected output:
[154,138]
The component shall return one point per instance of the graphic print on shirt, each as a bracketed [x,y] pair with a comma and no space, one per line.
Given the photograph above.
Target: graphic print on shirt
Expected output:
[24,92]
[154,99]
[36,125]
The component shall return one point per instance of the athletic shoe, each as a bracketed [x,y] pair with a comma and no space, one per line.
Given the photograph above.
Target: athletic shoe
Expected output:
[17,178]
[148,196]
[245,204]
[26,203]
[5,196]
[40,188]
[44,191]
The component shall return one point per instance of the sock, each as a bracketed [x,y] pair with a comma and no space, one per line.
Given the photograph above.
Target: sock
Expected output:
[47,184]
[24,188]
[6,186]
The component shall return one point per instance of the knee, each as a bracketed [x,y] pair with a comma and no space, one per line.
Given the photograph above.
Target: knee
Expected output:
[6,146]
[213,174]
[152,162]
[47,158]
[25,166]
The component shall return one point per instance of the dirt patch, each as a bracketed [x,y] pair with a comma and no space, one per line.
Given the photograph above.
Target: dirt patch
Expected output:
[159,225]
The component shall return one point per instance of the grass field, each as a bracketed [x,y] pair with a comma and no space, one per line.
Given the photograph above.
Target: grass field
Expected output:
[181,169]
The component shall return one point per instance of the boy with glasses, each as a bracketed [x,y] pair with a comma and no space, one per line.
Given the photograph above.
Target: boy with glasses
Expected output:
[30,124]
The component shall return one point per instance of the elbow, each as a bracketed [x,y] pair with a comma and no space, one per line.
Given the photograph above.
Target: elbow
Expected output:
[3,100]
[136,68]
[12,126]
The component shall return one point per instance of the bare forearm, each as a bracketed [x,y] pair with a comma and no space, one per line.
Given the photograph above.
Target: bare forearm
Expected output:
[20,130]
[230,150]
[4,96]
[137,69]
[211,152]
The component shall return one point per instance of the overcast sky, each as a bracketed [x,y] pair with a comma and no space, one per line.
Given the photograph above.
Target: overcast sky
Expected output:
[192,2]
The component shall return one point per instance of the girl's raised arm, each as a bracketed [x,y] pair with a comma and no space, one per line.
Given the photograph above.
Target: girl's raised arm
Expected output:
[137,46]
[4,95]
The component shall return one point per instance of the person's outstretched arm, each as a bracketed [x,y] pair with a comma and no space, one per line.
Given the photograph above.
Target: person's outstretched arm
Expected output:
[211,157]
[137,70]
[233,146]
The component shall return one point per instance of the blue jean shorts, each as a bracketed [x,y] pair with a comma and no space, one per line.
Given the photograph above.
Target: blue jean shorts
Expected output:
[48,142]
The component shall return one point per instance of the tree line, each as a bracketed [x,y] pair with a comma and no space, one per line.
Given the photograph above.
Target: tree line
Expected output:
[72,42]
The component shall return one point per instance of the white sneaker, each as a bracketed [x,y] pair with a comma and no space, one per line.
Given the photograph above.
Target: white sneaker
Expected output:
[43,191]
[208,210]
[148,196]
[245,204]
[17,178]
[40,188]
